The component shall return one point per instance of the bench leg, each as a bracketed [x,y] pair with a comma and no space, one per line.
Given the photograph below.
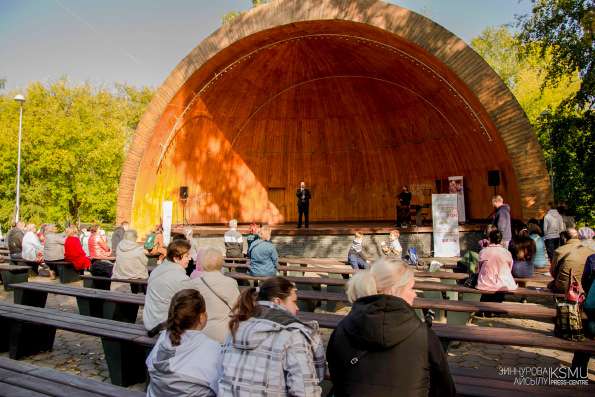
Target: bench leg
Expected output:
[30,298]
[90,307]
[67,274]
[306,305]
[9,277]
[457,318]
[4,335]
[124,312]
[580,363]
[28,339]
[97,284]
[125,362]
[438,313]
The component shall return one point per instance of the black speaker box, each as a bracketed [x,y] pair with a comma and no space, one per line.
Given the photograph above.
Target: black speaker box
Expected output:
[493,178]
[183,192]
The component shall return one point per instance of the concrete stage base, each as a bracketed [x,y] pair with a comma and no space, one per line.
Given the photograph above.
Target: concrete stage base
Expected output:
[332,240]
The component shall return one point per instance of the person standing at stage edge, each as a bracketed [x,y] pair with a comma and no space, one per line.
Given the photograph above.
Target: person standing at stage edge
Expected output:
[303,202]
[403,209]
[502,219]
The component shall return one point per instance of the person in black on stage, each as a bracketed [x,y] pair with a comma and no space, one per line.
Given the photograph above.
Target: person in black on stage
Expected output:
[303,202]
[403,207]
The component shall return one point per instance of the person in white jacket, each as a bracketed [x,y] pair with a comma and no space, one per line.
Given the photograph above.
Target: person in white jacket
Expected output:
[131,261]
[184,361]
[553,225]
[164,282]
[32,247]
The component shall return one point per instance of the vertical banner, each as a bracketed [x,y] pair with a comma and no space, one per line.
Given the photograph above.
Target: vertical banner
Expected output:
[455,186]
[166,216]
[445,217]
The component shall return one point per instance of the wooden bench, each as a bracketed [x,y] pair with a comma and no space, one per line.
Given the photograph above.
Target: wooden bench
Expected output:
[65,271]
[494,336]
[13,274]
[284,269]
[420,285]
[19,379]
[124,307]
[112,305]
[489,383]
[33,265]
[125,345]
[26,330]
[137,285]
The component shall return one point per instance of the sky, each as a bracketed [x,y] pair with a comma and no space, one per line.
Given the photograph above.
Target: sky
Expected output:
[140,42]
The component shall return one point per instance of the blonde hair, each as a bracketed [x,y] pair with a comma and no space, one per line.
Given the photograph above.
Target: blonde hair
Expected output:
[71,230]
[211,260]
[395,233]
[359,235]
[387,276]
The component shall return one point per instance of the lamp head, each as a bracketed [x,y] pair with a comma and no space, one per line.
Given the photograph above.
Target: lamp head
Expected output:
[19,98]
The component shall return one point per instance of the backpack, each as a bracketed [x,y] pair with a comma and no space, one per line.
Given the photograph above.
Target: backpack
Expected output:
[468,263]
[411,257]
[150,241]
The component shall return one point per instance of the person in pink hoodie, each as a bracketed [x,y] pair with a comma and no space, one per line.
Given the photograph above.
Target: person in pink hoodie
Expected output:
[495,267]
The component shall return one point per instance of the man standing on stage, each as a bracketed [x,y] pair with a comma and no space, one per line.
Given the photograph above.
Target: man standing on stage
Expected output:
[502,219]
[303,202]
[403,211]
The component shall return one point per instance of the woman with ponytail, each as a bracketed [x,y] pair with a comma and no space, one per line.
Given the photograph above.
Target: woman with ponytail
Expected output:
[184,361]
[269,351]
[381,348]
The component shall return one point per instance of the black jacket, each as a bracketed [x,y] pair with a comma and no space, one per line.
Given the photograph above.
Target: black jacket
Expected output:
[307,196]
[14,239]
[382,348]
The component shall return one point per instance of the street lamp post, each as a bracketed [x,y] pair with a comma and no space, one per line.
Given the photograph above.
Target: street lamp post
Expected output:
[20,99]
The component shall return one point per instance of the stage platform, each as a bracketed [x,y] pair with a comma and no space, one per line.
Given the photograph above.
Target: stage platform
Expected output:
[323,229]
[332,240]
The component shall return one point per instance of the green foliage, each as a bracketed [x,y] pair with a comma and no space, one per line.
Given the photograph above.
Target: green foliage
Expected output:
[230,16]
[548,67]
[565,30]
[74,142]
[524,76]
[568,142]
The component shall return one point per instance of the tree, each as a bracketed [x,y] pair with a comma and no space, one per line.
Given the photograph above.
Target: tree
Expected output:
[564,132]
[564,29]
[74,141]
[524,76]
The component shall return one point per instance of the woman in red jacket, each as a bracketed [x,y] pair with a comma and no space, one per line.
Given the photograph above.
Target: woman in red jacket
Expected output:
[73,250]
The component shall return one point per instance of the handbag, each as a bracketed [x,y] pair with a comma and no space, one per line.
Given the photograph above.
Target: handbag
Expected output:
[471,281]
[574,292]
[569,324]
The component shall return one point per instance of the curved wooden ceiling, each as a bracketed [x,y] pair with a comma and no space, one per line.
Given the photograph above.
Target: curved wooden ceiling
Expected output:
[354,110]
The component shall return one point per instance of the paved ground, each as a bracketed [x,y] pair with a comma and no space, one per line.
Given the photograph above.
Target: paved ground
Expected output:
[83,355]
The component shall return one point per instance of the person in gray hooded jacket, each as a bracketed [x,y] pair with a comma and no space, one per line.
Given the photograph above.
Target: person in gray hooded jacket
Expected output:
[131,261]
[184,361]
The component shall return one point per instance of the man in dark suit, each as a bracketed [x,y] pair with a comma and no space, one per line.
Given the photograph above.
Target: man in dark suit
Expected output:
[303,202]
[403,209]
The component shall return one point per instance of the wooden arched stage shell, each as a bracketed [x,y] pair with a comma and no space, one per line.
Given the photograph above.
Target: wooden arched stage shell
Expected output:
[354,97]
